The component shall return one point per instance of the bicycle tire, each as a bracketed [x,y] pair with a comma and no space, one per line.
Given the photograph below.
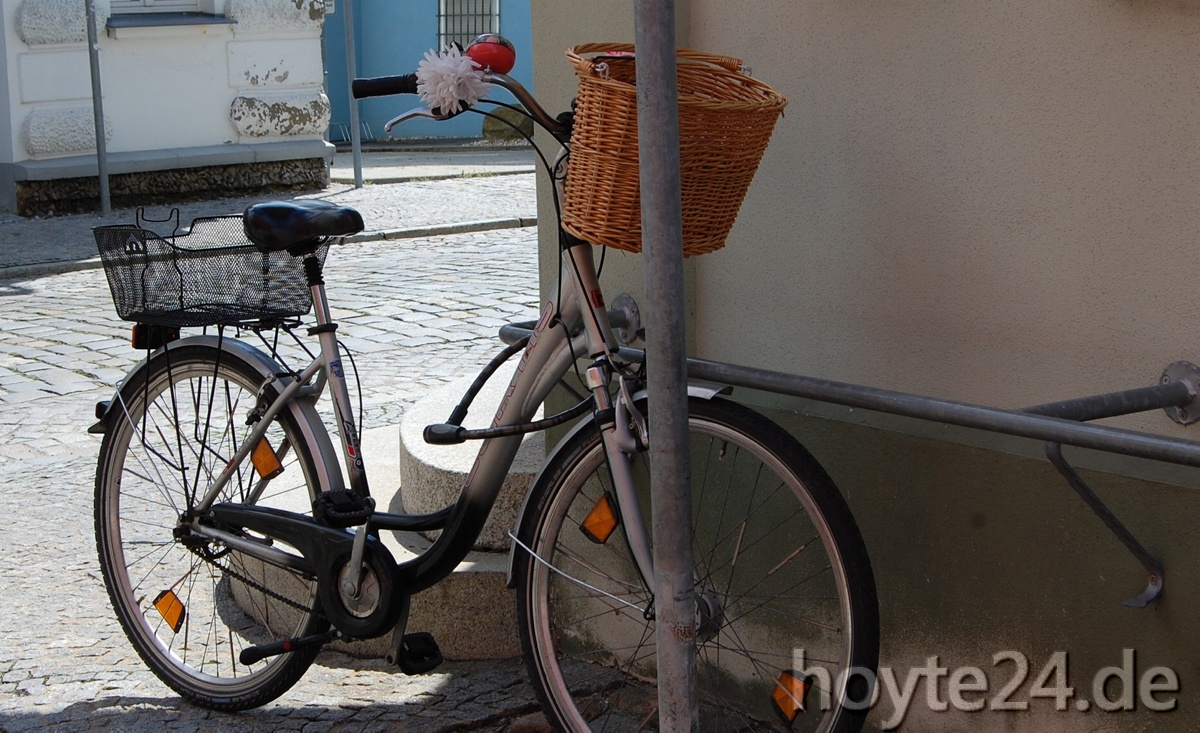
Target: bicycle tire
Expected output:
[591,657]
[177,422]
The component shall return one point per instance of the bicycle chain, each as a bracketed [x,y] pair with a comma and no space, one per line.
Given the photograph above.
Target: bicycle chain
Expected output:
[208,557]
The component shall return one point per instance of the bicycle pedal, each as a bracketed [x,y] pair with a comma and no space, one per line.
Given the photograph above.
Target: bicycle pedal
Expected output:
[419,653]
[342,508]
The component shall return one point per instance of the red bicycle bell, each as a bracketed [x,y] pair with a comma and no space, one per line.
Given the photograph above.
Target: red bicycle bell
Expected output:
[493,52]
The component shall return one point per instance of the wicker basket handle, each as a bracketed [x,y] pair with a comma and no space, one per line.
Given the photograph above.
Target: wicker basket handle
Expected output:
[728,63]
[576,54]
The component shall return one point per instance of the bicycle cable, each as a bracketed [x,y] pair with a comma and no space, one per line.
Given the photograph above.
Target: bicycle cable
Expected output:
[362,415]
[572,578]
[515,128]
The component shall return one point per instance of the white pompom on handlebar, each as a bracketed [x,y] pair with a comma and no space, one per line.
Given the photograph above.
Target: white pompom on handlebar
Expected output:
[446,79]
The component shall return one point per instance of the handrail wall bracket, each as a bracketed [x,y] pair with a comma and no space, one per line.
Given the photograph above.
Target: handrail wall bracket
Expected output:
[1188,373]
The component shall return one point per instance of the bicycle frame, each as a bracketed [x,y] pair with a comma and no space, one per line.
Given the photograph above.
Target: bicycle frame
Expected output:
[573,324]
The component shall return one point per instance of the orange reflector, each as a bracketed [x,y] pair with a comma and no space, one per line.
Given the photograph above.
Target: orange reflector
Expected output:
[788,696]
[146,336]
[171,608]
[600,522]
[265,461]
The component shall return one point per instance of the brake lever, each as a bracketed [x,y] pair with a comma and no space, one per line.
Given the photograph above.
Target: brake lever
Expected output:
[414,113]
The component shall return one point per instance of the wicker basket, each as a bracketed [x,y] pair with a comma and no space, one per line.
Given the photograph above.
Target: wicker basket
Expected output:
[725,121]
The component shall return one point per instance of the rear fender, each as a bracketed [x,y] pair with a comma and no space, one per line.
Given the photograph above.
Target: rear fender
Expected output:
[312,430]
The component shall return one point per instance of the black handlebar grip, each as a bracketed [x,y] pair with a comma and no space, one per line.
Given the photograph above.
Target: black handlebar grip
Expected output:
[383,86]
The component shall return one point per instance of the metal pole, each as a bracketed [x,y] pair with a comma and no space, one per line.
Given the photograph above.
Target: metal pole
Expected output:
[98,107]
[662,244]
[351,73]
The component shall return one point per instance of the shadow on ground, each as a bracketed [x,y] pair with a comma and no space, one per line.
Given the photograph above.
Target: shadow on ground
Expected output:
[339,693]
[158,714]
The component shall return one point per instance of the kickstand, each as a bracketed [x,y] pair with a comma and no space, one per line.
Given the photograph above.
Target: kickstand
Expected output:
[1154,588]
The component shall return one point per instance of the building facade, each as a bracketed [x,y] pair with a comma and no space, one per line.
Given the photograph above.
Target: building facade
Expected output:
[210,96]
[199,96]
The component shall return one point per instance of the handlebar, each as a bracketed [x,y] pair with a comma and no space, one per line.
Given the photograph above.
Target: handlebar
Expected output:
[525,98]
[383,86]
[409,83]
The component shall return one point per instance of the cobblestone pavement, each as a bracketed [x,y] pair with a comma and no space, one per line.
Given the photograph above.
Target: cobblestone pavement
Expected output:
[415,312]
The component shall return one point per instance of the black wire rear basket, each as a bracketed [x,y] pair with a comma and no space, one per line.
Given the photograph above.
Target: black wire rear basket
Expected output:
[209,275]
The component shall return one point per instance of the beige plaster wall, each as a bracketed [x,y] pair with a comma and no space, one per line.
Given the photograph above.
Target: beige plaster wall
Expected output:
[991,202]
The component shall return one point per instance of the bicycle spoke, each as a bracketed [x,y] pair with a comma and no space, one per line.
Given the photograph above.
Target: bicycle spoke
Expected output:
[768,582]
[182,425]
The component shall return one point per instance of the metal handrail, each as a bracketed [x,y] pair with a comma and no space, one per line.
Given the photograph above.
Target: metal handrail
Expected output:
[1029,422]
[1055,422]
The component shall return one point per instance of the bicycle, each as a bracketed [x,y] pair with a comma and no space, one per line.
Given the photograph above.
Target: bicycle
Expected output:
[234,544]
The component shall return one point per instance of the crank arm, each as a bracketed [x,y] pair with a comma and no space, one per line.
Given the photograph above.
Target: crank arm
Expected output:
[252,654]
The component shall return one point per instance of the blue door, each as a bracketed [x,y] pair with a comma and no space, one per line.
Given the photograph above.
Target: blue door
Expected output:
[392,37]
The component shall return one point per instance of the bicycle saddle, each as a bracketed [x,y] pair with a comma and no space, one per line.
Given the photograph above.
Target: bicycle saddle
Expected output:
[298,226]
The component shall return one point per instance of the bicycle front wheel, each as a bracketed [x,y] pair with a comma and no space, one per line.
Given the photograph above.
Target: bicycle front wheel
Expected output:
[786,605]
[189,604]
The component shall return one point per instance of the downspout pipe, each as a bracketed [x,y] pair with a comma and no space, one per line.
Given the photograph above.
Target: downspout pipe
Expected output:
[98,106]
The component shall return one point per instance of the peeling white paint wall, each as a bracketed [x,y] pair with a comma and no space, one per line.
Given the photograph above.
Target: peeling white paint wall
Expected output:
[288,114]
[275,66]
[165,88]
[277,15]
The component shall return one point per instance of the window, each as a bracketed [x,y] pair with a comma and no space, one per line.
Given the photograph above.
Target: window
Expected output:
[461,20]
[156,6]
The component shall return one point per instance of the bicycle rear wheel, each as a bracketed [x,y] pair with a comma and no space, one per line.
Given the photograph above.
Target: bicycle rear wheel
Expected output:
[188,604]
[784,587]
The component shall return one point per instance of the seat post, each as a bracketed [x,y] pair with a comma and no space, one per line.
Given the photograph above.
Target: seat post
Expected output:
[316,283]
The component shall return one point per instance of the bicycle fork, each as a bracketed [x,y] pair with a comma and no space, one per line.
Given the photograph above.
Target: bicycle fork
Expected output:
[613,419]
[620,444]
[623,434]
